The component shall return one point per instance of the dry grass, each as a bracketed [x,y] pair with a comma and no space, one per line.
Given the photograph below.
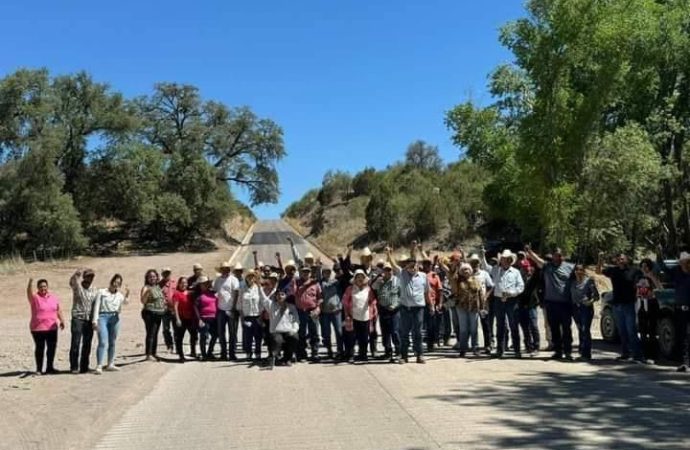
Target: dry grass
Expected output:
[12,264]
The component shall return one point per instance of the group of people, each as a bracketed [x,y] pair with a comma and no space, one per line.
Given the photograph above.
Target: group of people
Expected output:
[414,300]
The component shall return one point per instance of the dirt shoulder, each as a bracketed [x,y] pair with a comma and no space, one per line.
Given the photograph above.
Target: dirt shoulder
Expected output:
[72,411]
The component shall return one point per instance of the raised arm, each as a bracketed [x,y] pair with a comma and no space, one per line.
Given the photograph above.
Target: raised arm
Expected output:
[295,253]
[600,263]
[74,279]
[279,260]
[534,257]
[30,290]
[482,259]
[256,260]
[391,260]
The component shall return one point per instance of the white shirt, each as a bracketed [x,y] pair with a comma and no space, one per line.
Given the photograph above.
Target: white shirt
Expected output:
[107,302]
[484,279]
[225,288]
[250,300]
[281,319]
[360,303]
[508,281]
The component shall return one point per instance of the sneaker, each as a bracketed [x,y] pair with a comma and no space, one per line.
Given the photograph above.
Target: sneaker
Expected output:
[405,360]
[98,371]
[682,368]
[568,357]
[456,346]
[461,354]
[421,360]
[51,371]
[112,368]
[557,356]
[74,372]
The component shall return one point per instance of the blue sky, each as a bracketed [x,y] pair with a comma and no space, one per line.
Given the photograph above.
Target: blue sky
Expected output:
[352,83]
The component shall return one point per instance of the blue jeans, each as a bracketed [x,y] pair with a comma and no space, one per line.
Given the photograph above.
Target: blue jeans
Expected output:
[253,333]
[583,319]
[411,321]
[432,324]
[560,317]
[82,333]
[468,323]
[390,330]
[334,320]
[506,314]
[626,324]
[529,322]
[108,328]
[308,329]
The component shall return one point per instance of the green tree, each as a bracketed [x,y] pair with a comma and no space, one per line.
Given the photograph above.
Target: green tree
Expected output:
[364,181]
[423,156]
[382,216]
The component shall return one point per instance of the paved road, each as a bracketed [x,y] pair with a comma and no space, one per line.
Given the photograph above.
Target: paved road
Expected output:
[269,237]
[448,403]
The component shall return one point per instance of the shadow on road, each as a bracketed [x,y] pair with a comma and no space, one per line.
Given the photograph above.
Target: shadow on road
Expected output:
[620,409]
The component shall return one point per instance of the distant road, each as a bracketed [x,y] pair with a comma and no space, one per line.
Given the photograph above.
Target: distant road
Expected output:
[269,237]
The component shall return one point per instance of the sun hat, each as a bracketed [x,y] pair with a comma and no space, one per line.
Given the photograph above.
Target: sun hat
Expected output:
[387,266]
[359,272]
[237,267]
[88,273]
[366,252]
[684,256]
[197,266]
[380,262]
[224,265]
[473,257]
[202,279]
[309,255]
[406,259]
[163,270]
[305,269]
[291,263]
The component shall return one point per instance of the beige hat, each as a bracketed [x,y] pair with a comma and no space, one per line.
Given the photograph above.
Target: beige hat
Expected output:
[473,257]
[508,254]
[684,256]
[406,258]
[224,265]
[198,266]
[387,266]
[291,263]
[202,279]
[237,267]
[261,264]
[166,269]
[380,262]
[359,272]
[366,252]
[309,255]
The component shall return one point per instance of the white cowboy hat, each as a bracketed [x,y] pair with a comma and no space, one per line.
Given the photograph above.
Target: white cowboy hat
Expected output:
[309,255]
[684,256]
[359,272]
[291,263]
[473,257]
[261,264]
[163,270]
[225,265]
[366,252]
[404,258]
[202,279]
[465,266]
[238,267]
[508,254]
[198,266]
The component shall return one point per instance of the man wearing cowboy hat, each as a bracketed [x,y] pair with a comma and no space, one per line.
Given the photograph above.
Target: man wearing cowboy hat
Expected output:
[557,275]
[414,298]
[331,313]
[365,262]
[486,317]
[84,294]
[681,279]
[508,284]
[308,261]
[432,316]
[198,270]
[387,288]
[288,282]
[226,287]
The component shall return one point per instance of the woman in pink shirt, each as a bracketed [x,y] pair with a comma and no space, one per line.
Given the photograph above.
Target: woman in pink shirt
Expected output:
[205,307]
[46,317]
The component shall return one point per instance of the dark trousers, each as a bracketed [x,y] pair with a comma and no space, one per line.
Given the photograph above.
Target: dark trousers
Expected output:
[506,314]
[529,323]
[208,335]
[82,336]
[152,322]
[488,326]
[432,323]
[168,320]
[45,344]
[308,331]
[362,336]
[411,321]
[560,317]
[647,321]
[228,322]
[253,333]
[285,342]
[446,325]
[583,316]
[684,331]
[187,326]
[390,330]
[332,322]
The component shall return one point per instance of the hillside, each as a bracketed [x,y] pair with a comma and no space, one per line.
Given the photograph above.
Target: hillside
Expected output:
[417,199]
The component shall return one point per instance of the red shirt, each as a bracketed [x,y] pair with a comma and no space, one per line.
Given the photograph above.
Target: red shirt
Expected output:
[185,305]
[169,288]
[435,288]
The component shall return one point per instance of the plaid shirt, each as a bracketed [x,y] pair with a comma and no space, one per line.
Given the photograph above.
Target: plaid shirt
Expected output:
[388,292]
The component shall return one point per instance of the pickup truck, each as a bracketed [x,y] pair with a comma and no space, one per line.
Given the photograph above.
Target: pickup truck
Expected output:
[667,325]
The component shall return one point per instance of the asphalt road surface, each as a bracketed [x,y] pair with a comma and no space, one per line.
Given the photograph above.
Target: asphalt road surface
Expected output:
[448,403]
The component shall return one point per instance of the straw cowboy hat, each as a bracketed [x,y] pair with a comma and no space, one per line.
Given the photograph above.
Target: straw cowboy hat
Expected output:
[508,254]
[223,265]
[198,266]
[202,279]
[238,267]
[405,259]
[366,253]
[684,256]
[359,272]
[309,255]
[473,257]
